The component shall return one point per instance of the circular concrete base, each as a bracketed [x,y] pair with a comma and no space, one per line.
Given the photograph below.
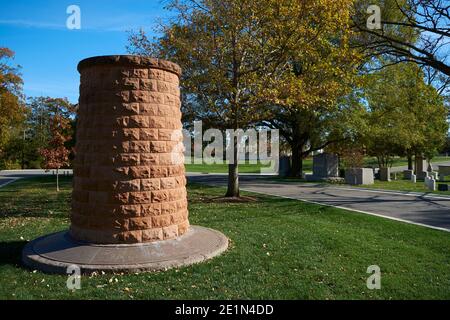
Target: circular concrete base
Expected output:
[55,252]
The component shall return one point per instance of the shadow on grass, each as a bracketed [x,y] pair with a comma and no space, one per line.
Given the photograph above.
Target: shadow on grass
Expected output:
[11,252]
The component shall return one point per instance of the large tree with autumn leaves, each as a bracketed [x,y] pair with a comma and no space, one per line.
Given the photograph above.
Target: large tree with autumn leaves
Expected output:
[12,106]
[403,115]
[239,56]
[306,97]
[56,153]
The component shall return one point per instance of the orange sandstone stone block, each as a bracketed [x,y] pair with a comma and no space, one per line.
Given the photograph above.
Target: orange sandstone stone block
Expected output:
[170,232]
[139,146]
[140,197]
[138,73]
[150,184]
[168,135]
[129,159]
[127,108]
[158,171]
[160,196]
[156,74]
[161,221]
[148,85]
[128,210]
[130,236]
[154,97]
[140,96]
[183,227]
[127,186]
[131,134]
[141,172]
[168,207]
[138,121]
[149,159]
[152,234]
[162,86]
[153,209]
[149,134]
[169,159]
[158,146]
[121,224]
[140,223]
[177,218]
[131,83]
[168,183]
[120,198]
[148,109]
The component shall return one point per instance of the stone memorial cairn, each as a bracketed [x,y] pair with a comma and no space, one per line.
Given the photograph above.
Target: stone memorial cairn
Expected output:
[284,166]
[443,172]
[385,174]
[129,206]
[431,172]
[128,186]
[359,176]
[421,166]
[325,167]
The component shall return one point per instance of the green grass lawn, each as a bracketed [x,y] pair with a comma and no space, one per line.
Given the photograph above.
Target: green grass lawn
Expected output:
[244,167]
[223,168]
[403,185]
[280,249]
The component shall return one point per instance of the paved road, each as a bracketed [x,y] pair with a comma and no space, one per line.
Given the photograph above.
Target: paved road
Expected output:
[423,209]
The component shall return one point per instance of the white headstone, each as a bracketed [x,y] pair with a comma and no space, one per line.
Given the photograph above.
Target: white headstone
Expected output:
[430,183]
[357,176]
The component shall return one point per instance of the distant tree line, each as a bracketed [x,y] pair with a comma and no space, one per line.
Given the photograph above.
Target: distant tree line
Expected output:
[36,132]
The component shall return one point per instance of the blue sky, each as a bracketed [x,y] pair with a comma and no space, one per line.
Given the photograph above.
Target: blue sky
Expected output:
[49,52]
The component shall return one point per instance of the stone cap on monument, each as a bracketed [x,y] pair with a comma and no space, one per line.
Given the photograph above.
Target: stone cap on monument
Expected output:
[130,61]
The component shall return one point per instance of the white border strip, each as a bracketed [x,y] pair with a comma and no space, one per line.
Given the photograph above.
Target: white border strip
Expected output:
[409,194]
[12,180]
[355,210]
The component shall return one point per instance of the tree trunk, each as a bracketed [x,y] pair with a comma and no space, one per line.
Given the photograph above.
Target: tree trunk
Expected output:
[22,165]
[233,173]
[410,163]
[297,159]
[233,181]
[300,166]
[22,160]
[57,180]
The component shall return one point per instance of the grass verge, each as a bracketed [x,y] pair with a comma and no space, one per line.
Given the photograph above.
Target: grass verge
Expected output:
[280,249]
